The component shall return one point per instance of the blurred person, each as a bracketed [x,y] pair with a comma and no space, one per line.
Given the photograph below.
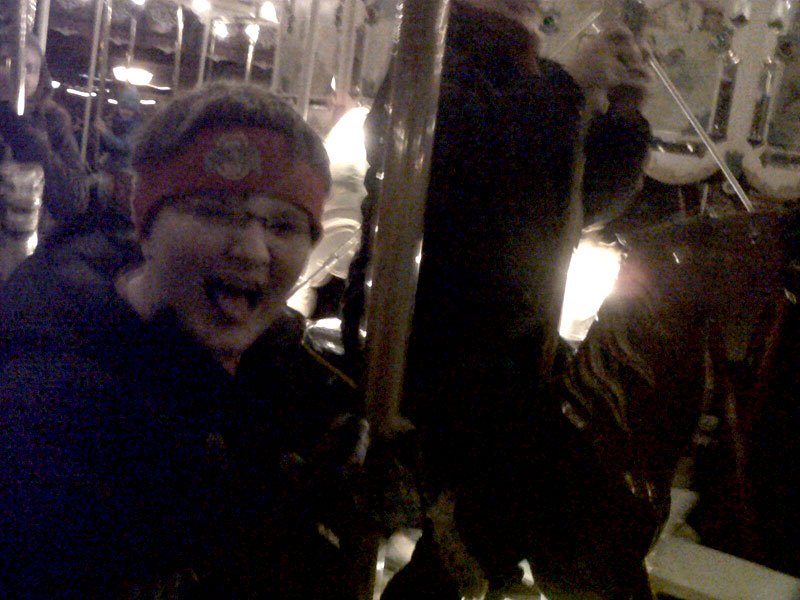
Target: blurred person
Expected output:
[43,135]
[519,142]
[116,138]
[115,150]
[165,432]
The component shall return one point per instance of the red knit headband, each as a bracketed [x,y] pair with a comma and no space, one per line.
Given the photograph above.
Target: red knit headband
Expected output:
[243,159]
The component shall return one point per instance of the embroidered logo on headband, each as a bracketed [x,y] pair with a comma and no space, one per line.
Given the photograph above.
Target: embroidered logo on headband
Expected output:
[233,157]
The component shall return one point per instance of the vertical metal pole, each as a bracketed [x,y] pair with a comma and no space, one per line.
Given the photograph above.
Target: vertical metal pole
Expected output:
[43,23]
[309,57]
[87,107]
[248,65]
[347,49]
[131,41]
[103,67]
[413,103]
[18,70]
[201,67]
[275,80]
[210,54]
[176,66]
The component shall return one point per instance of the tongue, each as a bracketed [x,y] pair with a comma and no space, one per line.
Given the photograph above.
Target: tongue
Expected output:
[234,306]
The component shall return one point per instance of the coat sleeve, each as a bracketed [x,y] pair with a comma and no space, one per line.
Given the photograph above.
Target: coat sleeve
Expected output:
[615,148]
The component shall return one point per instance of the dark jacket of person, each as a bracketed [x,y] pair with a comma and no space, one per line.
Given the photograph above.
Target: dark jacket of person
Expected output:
[44,135]
[501,220]
[499,227]
[133,463]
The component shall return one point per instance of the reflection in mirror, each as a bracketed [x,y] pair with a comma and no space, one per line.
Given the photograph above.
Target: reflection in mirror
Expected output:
[691,40]
[783,128]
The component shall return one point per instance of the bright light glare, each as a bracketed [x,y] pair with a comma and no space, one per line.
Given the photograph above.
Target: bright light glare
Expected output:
[120,73]
[345,141]
[55,84]
[268,12]
[252,31]
[138,76]
[31,243]
[592,273]
[112,101]
[330,323]
[147,101]
[138,2]
[220,30]
[78,92]
[201,6]
[133,75]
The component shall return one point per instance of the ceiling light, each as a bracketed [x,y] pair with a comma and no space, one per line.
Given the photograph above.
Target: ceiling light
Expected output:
[120,73]
[147,101]
[220,30]
[138,76]
[133,75]
[138,2]
[252,31]
[55,84]
[201,6]
[268,12]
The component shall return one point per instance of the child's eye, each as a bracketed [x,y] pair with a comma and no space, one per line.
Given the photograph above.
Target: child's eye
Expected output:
[287,227]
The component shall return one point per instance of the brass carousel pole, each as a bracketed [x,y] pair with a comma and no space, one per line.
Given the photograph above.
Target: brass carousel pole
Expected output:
[274,83]
[347,48]
[102,70]
[43,23]
[131,41]
[87,107]
[397,238]
[252,31]
[18,71]
[176,66]
[201,67]
[309,57]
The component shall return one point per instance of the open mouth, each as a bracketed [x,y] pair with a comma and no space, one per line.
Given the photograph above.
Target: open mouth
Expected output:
[233,300]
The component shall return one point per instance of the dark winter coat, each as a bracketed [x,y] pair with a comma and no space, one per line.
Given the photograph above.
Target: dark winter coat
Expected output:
[132,461]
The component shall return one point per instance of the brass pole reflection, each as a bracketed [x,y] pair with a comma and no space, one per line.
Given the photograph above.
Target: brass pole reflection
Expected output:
[203,51]
[87,107]
[248,65]
[18,70]
[309,58]
[43,23]
[274,83]
[103,66]
[347,46]
[176,66]
[398,239]
[131,41]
